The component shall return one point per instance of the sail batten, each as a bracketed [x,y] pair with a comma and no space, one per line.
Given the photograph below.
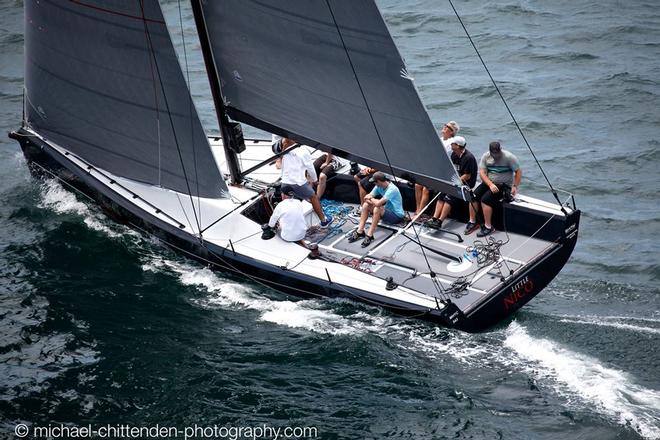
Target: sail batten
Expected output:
[103,81]
[326,71]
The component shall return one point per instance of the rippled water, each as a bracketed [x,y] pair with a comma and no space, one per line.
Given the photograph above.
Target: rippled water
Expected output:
[101,325]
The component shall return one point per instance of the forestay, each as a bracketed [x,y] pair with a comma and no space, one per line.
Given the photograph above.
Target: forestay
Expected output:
[326,72]
[103,80]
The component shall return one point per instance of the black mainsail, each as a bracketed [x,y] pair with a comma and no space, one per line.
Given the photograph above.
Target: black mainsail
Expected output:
[103,80]
[326,72]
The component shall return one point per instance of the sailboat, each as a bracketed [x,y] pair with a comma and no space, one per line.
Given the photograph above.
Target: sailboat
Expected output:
[108,112]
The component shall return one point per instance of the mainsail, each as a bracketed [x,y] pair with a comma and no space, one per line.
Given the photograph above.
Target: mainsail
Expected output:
[326,72]
[103,80]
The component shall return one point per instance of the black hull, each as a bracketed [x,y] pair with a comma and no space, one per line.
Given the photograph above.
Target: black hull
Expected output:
[45,160]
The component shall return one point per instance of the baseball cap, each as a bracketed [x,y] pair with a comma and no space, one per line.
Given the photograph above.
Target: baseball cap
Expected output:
[379,177]
[287,190]
[458,140]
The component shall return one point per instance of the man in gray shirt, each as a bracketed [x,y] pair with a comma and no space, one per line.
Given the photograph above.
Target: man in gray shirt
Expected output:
[500,172]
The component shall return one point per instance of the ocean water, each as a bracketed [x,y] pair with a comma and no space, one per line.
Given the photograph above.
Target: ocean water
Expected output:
[100,325]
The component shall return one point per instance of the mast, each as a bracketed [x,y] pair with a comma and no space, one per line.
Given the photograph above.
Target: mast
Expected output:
[229,131]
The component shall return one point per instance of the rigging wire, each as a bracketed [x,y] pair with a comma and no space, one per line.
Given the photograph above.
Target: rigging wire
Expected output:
[190,110]
[552,189]
[226,265]
[380,140]
[154,63]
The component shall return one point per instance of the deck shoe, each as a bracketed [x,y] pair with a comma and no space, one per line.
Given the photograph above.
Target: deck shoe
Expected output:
[355,236]
[367,241]
[434,223]
[485,231]
[470,228]
[326,223]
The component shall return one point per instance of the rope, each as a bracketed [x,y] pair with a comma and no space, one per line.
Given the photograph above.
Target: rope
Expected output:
[554,193]
[366,103]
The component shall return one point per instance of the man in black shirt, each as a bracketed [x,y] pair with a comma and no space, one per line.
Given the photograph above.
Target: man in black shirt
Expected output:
[467,168]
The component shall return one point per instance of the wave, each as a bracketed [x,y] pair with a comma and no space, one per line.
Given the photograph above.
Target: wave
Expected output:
[603,321]
[584,380]
[62,201]
[30,358]
[13,39]
[577,378]
[566,57]
[310,315]
[517,9]
[627,77]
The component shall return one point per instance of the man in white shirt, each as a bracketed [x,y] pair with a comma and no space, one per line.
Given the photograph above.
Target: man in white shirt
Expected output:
[290,216]
[298,172]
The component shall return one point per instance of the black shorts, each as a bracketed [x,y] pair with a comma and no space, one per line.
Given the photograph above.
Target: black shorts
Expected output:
[451,200]
[328,170]
[366,183]
[485,195]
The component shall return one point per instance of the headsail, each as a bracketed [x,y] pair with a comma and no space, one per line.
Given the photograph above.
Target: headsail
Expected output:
[103,80]
[328,72]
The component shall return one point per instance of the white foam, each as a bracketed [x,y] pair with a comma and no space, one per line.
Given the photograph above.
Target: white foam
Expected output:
[614,323]
[582,379]
[58,199]
[463,347]
[578,378]
[305,314]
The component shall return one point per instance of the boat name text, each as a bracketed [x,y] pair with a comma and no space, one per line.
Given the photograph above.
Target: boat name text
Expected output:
[518,291]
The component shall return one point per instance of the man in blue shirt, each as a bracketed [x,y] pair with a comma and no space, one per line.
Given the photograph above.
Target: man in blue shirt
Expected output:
[389,208]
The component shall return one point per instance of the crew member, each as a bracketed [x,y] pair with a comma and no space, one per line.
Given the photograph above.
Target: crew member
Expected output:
[298,172]
[288,218]
[466,166]
[422,193]
[389,208]
[500,174]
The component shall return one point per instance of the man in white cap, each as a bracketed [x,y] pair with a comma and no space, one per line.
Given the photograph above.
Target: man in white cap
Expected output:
[422,193]
[466,166]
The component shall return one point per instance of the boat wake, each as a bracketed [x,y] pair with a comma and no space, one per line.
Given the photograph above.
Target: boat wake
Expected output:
[575,377]
[62,201]
[582,380]
[310,315]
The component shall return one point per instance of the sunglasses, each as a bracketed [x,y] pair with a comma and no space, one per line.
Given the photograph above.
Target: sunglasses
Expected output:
[449,128]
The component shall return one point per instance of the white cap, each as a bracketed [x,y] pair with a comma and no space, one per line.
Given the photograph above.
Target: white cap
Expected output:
[458,140]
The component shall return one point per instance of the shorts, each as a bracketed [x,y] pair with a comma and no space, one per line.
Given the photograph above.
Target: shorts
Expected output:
[485,195]
[365,183]
[451,200]
[390,217]
[328,170]
[305,191]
